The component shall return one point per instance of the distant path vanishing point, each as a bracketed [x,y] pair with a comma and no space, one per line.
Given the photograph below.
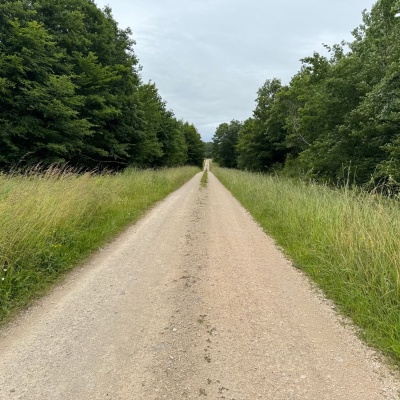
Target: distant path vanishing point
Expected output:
[194,301]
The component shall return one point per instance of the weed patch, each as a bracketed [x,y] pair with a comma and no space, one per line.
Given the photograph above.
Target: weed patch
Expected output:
[204,179]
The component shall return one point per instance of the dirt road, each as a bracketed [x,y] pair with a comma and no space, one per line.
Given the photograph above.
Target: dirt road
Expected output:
[192,302]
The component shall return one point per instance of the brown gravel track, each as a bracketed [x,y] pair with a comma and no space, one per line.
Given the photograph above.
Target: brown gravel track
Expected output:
[194,301]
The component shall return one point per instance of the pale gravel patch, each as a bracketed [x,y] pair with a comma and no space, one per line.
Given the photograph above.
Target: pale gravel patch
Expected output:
[194,301]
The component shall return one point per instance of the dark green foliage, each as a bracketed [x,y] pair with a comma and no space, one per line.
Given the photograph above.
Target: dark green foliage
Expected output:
[103,64]
[195,146]
[260,139]
[39,109]
[338,119]
[225,141]
[149,151]
[208,149]
[172,140]
[70,91]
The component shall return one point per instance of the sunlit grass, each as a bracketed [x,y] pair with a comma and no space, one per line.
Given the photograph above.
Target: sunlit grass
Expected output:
[348,241]
[51,221]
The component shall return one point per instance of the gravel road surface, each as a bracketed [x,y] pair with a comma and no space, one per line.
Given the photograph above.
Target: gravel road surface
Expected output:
[194,301]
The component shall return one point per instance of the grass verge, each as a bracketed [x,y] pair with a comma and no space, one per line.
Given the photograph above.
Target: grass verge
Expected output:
[348,241]
[50,222]
[204,179]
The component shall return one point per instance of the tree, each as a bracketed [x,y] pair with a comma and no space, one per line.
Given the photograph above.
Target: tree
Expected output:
[70,92]
[224,144]
[39,108]
[99,57]
[318,143]
[173,141]
[195,146]
[261,139]
[149,150]
[338,117]
[208,150]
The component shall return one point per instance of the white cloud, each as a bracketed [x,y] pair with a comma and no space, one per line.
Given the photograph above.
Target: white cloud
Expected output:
[209,57]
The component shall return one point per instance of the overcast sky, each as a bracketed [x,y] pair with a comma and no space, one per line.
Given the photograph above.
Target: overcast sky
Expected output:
[209,57]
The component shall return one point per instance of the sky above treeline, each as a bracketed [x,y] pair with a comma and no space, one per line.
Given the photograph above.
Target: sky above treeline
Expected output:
[208,58]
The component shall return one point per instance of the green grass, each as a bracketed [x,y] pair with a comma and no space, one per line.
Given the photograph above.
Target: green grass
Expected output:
[348,241]
[204,179]
[52,221]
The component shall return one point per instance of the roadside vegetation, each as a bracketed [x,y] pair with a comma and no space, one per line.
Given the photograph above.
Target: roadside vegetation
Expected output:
[338,117]
[72,93]
[346,240]
[204,179]
[51,221]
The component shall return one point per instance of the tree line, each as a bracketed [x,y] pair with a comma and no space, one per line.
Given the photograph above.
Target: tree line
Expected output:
[339,117]
[71,92]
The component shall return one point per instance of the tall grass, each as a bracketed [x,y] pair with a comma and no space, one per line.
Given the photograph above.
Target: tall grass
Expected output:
[51,221]
[348,241]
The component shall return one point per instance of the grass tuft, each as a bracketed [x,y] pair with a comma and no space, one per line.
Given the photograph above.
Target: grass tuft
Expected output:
[348,241]
[51,221]
[204,179]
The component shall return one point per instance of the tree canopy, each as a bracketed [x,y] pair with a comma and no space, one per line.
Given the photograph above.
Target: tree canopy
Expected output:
[338,118]
[71,92]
